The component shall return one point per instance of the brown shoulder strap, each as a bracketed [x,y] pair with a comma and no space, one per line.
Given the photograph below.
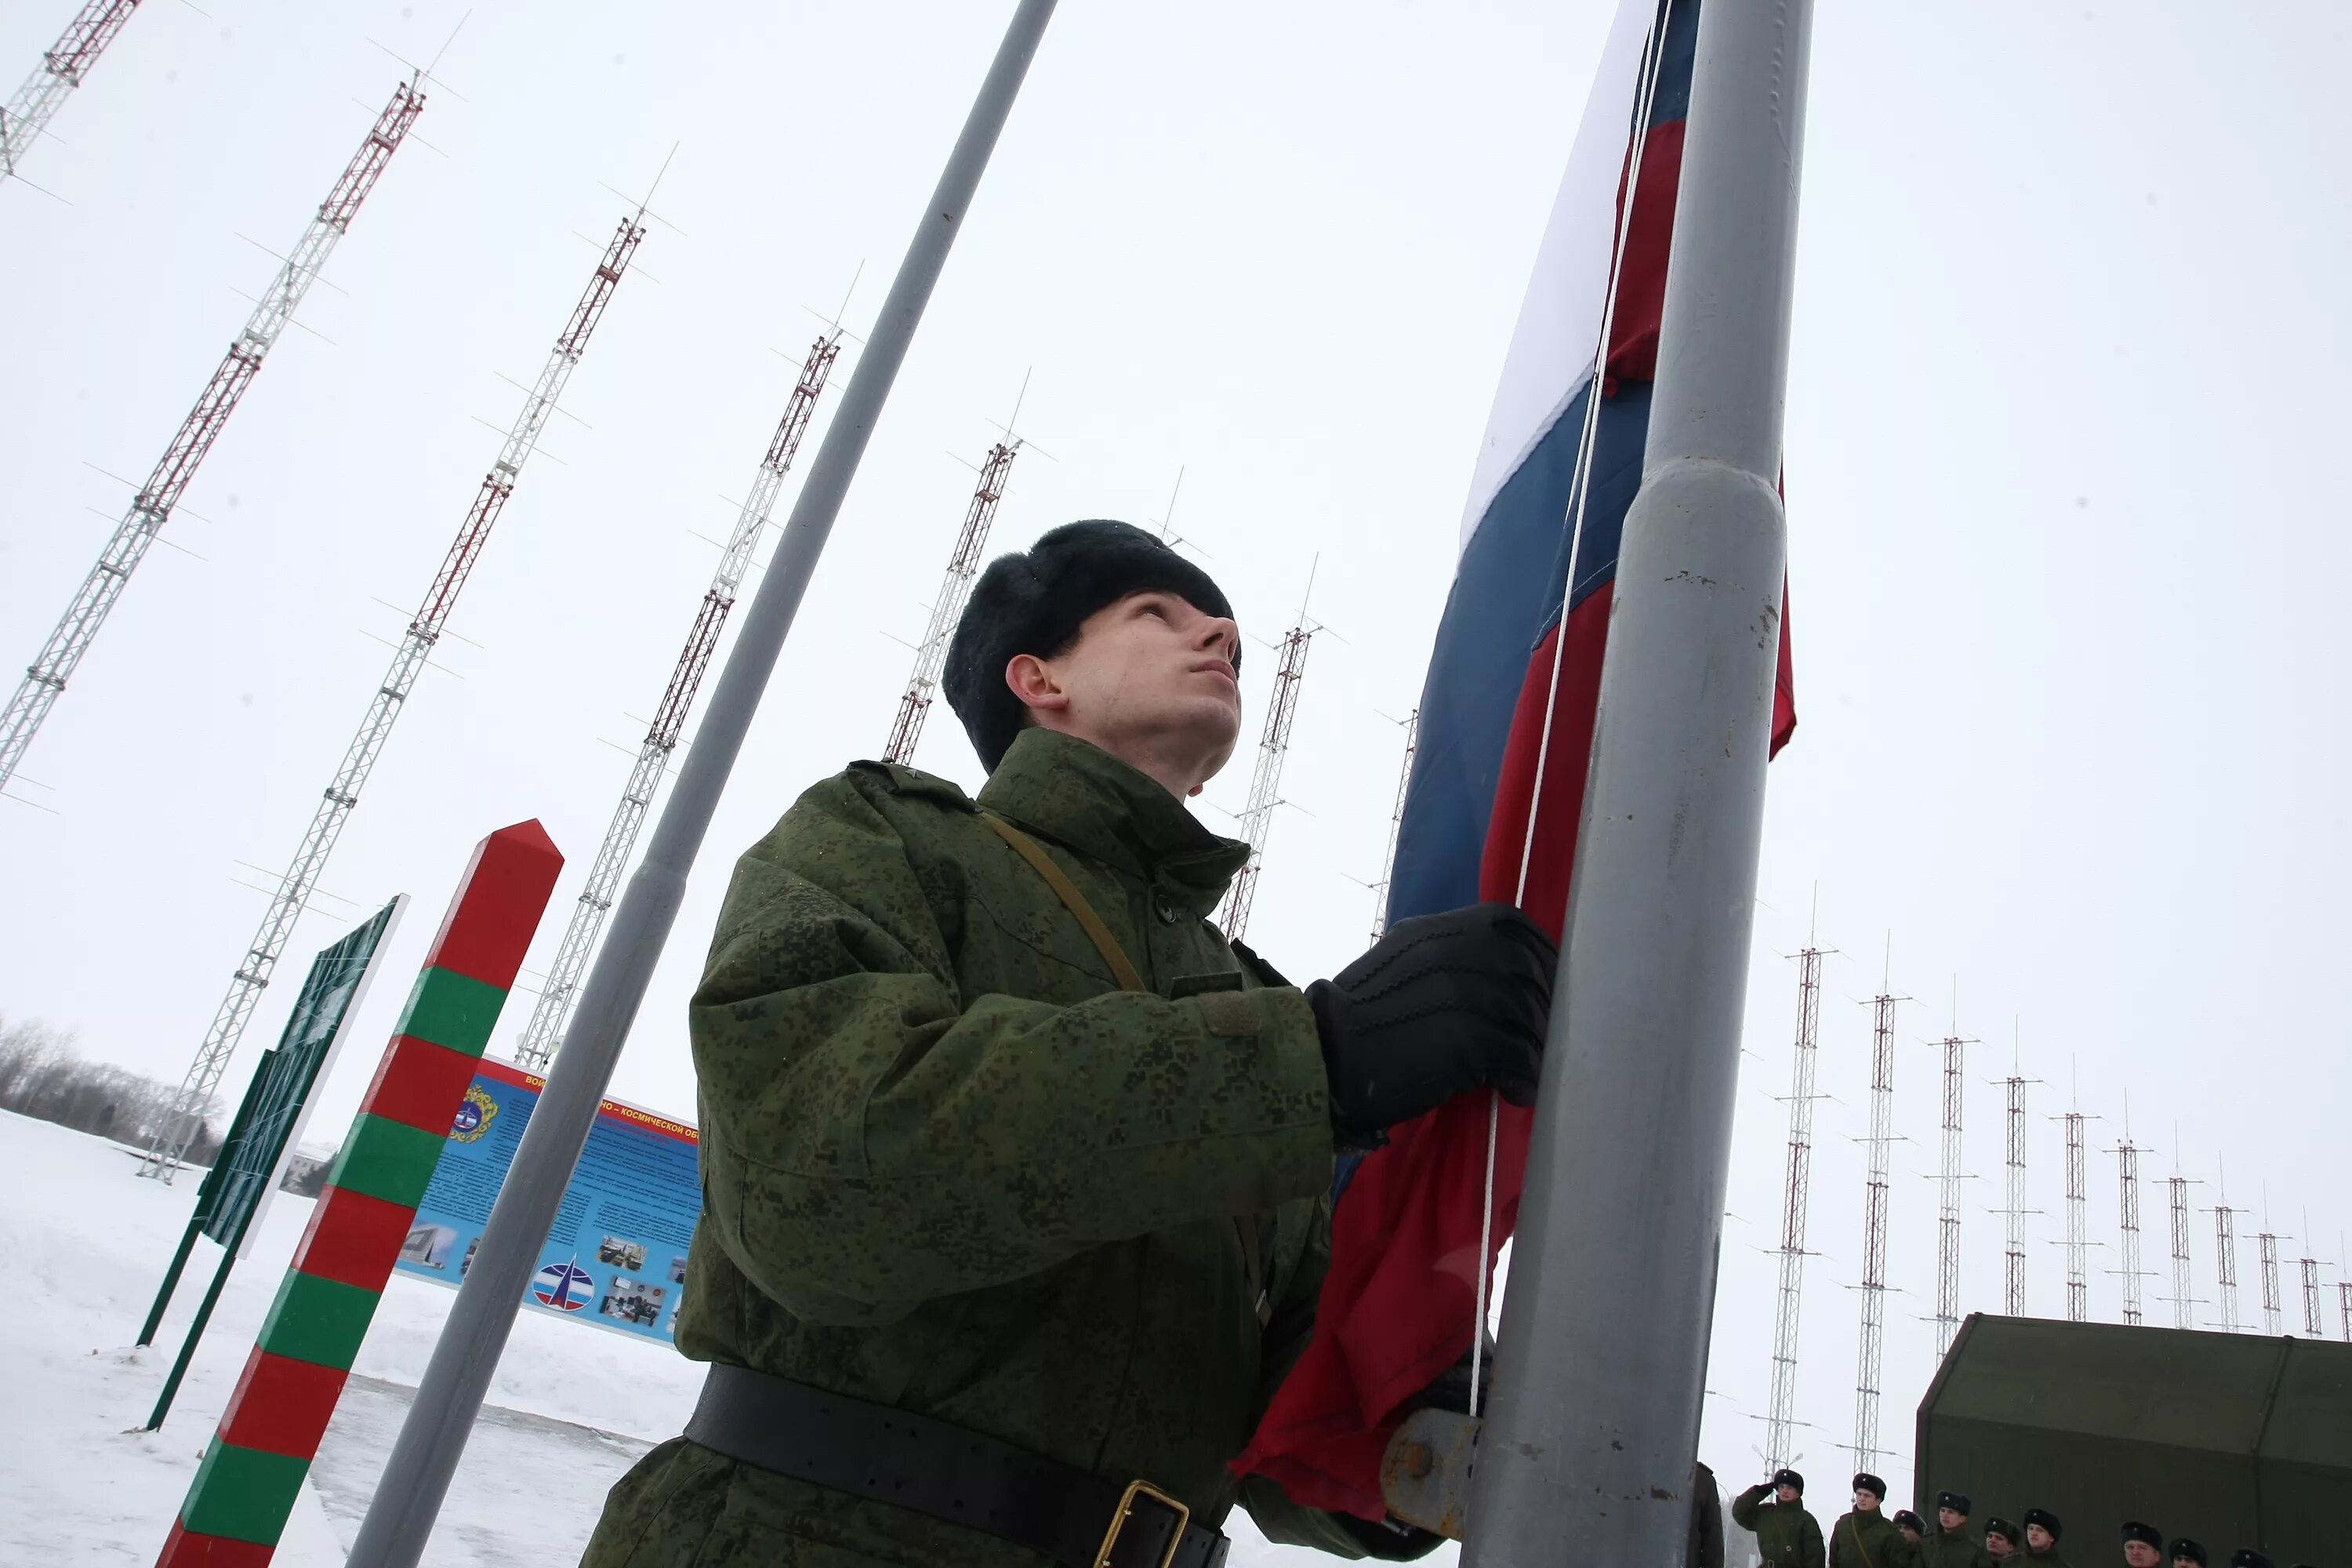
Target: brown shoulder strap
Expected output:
[1071,900]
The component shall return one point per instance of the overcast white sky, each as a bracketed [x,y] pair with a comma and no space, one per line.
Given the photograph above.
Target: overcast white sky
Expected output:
[2066,613]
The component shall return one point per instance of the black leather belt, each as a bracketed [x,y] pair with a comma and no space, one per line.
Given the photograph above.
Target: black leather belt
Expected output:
[947,1472]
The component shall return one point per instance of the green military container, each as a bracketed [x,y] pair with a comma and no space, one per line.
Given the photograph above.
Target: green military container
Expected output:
[2229,1439]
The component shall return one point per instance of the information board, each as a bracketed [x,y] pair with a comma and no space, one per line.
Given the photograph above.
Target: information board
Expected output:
[617,1257]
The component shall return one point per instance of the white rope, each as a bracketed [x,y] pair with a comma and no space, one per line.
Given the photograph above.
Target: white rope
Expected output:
[1653,58]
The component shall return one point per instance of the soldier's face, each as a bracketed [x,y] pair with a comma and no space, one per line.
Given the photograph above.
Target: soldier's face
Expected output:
[1786,1492]
[1865,1502]
[2140,1554]
[1910,1535]
[1998,1547]
[1151,681]
[1950,1518]
[2038,1538]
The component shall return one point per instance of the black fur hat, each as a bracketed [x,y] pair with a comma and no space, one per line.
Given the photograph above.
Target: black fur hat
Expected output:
[2046,1520]
[1789,1478]
[1034,600]
[2135,1530]
[1906,1520]
[2247,1557]
[2006,1531]
[1957,1501]
[2188,1550]
[1866,1482]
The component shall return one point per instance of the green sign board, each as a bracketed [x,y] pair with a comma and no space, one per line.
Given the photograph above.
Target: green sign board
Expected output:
[269,1123]
[252,1160]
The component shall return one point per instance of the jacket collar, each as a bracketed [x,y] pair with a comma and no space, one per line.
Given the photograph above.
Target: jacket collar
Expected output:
[1087,800]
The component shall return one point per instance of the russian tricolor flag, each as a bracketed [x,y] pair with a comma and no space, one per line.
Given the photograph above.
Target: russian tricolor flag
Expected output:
[1507,718]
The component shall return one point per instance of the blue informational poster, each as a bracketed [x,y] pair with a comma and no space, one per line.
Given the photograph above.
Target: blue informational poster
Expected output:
[617,1257]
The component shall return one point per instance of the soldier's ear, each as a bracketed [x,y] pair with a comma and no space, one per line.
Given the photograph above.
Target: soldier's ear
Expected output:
[1036,684]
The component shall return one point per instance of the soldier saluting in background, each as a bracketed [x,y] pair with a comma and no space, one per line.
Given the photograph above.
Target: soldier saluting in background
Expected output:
[1788,1535]
[1015,1171]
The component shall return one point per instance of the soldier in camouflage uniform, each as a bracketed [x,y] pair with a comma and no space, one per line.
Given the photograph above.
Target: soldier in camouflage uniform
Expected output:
[1015,1172]
[1951,1544]
[1867,1538]
[2042,1530]
[1788,1534]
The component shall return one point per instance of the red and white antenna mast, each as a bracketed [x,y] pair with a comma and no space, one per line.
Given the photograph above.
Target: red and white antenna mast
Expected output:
[2266,1248]
[1396,826]
[2078,1284]
[45,678]
[2126,1155]
[28,114]
[1873,1229]
[1266,784]
[417,644]
[963,566]
[2013,1283]
[552,1013]
[1780,1423]
[1947,1219]
[2225,1264]
[2177,1194]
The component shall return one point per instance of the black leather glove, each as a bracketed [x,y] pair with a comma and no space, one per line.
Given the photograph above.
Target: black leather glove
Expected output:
[1440,1005]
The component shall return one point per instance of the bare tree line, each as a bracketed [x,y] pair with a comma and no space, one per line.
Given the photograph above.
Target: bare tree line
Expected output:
[44,1077]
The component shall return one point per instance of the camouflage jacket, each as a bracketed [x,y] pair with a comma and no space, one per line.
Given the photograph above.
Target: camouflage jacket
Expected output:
[949,1167]
[1940,1548]
[1869,1540]
[1787,1534]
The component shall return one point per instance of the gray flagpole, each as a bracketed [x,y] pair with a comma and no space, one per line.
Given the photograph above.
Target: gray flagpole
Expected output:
[400,1517]
[1586,1453]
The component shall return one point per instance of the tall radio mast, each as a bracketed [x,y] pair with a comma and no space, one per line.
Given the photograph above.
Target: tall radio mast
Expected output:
[44,679]
[391,698]
[1266,784]
[1396,826]
[1947,1221]
[28,114]
[552,1012]
[963,566]
[1780,1424]
[1874,1230]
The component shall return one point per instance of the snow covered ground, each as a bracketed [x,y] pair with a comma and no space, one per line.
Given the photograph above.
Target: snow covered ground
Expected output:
[85,1243]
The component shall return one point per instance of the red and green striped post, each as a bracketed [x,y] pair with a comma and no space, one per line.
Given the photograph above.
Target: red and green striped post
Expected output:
[245,1490]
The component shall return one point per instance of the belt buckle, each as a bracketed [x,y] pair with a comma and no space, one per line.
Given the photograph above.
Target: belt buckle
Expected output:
[1126,1510]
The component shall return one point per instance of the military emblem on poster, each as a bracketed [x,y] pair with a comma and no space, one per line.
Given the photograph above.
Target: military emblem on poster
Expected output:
[474,1114]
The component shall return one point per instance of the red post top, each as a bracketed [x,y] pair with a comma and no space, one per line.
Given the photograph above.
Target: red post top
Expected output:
[500,899]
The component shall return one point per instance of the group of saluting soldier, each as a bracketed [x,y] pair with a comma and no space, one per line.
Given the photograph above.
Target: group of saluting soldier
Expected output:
[1868,1537]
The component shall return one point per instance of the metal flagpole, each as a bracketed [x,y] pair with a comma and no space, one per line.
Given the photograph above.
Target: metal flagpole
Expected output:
[415,1477]
[1589,1445]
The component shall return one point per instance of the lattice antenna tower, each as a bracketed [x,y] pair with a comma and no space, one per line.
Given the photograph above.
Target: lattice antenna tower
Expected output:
[2127,1153]
[28,115]
[1412,723]
[2078,1221]
[2267,1251]
[2314,1320]
[1266,784]
[2176,1188]
[1873,1225]
[44,679]
[552,1013]
[417,644]
[1948,1220]
[963,566]
[2343,1296]
[1795,1201]
[2013,1283]
[2225,1259]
